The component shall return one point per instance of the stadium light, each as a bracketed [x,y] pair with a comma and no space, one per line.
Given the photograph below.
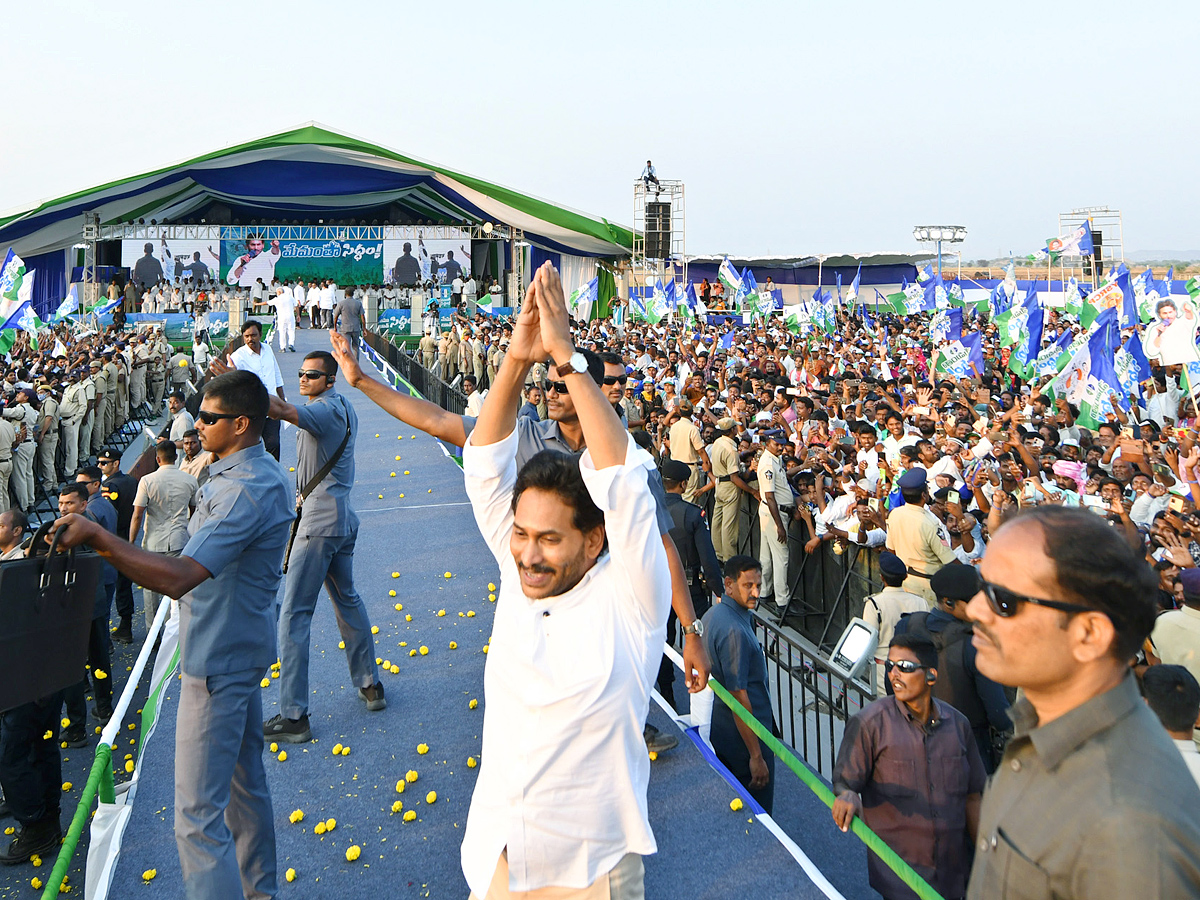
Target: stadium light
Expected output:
[936,234]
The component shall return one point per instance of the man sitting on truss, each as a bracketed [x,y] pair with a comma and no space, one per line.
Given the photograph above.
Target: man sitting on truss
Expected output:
[649,176]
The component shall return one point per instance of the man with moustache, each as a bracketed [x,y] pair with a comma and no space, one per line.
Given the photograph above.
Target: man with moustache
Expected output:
[1091,799]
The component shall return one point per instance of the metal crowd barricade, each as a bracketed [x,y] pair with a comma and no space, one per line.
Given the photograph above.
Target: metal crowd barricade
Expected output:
[423,381]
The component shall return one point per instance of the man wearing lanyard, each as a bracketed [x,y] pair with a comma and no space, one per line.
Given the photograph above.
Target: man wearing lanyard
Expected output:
[226,578]
[323,550]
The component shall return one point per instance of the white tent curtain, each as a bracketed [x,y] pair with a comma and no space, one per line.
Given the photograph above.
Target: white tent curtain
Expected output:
[576,271]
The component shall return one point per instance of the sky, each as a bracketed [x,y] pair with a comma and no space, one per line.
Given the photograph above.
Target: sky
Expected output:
[797,128]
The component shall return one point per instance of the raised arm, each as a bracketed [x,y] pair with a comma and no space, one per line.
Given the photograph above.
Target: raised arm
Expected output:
[498,417]
[607,440]
[415,411]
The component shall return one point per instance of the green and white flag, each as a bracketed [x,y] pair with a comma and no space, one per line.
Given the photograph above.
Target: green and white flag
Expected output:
[909,301]
[797,318]
[15,286]
[657,307]
[582,299]
[1011,325]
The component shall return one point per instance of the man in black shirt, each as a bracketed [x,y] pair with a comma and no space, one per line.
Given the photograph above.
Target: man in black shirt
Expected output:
[120,490]
[407,270]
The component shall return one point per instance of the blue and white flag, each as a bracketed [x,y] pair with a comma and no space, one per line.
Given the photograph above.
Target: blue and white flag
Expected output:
[22,303]
[935,294]
[945,326]
[1047,360]
[729,277]
[852,294]
[69,304]
[1077,242]
[962,358]
[925,274]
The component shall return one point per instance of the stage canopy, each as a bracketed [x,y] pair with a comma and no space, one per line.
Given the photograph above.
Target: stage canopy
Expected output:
[301,176]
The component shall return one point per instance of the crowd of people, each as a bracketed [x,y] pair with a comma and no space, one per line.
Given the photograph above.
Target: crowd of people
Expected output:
[1039,578]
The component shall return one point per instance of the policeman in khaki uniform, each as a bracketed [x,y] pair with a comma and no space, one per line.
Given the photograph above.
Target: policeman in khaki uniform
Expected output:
[774,517]
[8,437]
[156,373]
[122,363]
[71,413]
[111,375]
[428,348]
[47,436]
[137,375]
[89,417]
[100,411]
[727,495]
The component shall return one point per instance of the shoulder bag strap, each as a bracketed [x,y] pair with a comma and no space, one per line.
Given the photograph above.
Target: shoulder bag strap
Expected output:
[322,473]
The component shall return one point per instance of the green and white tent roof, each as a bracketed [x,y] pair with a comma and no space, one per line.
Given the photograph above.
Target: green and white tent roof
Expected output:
[310,173]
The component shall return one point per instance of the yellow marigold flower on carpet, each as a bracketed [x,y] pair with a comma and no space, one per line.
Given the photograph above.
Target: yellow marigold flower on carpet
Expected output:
[474,703]
[319,828]
[353,852]
[330,824]
[129,766]
[374,629]
[100,675]
[337,748]
[408,617]
[341,645]
[431,797]
[412,652]
[653,755]
[66,785]
[397,806]
[491,587]
[400,786]
[274,747]
[410,776]
[470,613]
[395,670]
[266,682]
[422,749]
[66,723]
[735,804]
[149,874]
[395,574]
[36,860]
[36,883]
[442,612]
[282,756]
[491,598]
[424,650]
[296,816]
[290,875]
[346,751]
[471,762]
[410,816]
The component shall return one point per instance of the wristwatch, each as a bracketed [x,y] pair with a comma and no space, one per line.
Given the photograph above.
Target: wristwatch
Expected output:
[696,628]
[576,365]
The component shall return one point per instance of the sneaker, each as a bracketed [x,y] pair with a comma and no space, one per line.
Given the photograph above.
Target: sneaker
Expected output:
[123,633]
[74,736]
[657,741]
[374,697]
[290,731]
[41,839]
[103,713]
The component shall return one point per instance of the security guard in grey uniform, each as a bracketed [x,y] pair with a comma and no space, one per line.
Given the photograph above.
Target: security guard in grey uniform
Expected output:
[690,533]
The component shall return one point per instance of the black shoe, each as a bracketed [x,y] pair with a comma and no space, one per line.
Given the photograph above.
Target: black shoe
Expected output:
[103,713]
[75,736]
[41,839]
[374,697]
[290,731]
[123,633]
[658,742]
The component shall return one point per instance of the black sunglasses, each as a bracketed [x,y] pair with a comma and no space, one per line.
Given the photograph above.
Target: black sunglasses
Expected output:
[559,387]
[212,418]
[1005,603]
[615,379]
[907,666]
[313,373]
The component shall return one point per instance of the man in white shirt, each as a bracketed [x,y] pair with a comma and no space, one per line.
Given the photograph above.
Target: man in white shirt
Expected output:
[474,397]
[1173,694]
[255,264]
[285,318]
[326,304]
[181,419]
[298,300]
[255,356]
[584,595]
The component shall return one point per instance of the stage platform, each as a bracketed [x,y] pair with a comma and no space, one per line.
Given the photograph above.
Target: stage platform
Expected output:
[418,523]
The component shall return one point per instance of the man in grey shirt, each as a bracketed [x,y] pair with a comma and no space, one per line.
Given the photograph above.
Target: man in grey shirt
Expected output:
[164,502]
[323,550]
[1091,798]
[349,319]
[226,578]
